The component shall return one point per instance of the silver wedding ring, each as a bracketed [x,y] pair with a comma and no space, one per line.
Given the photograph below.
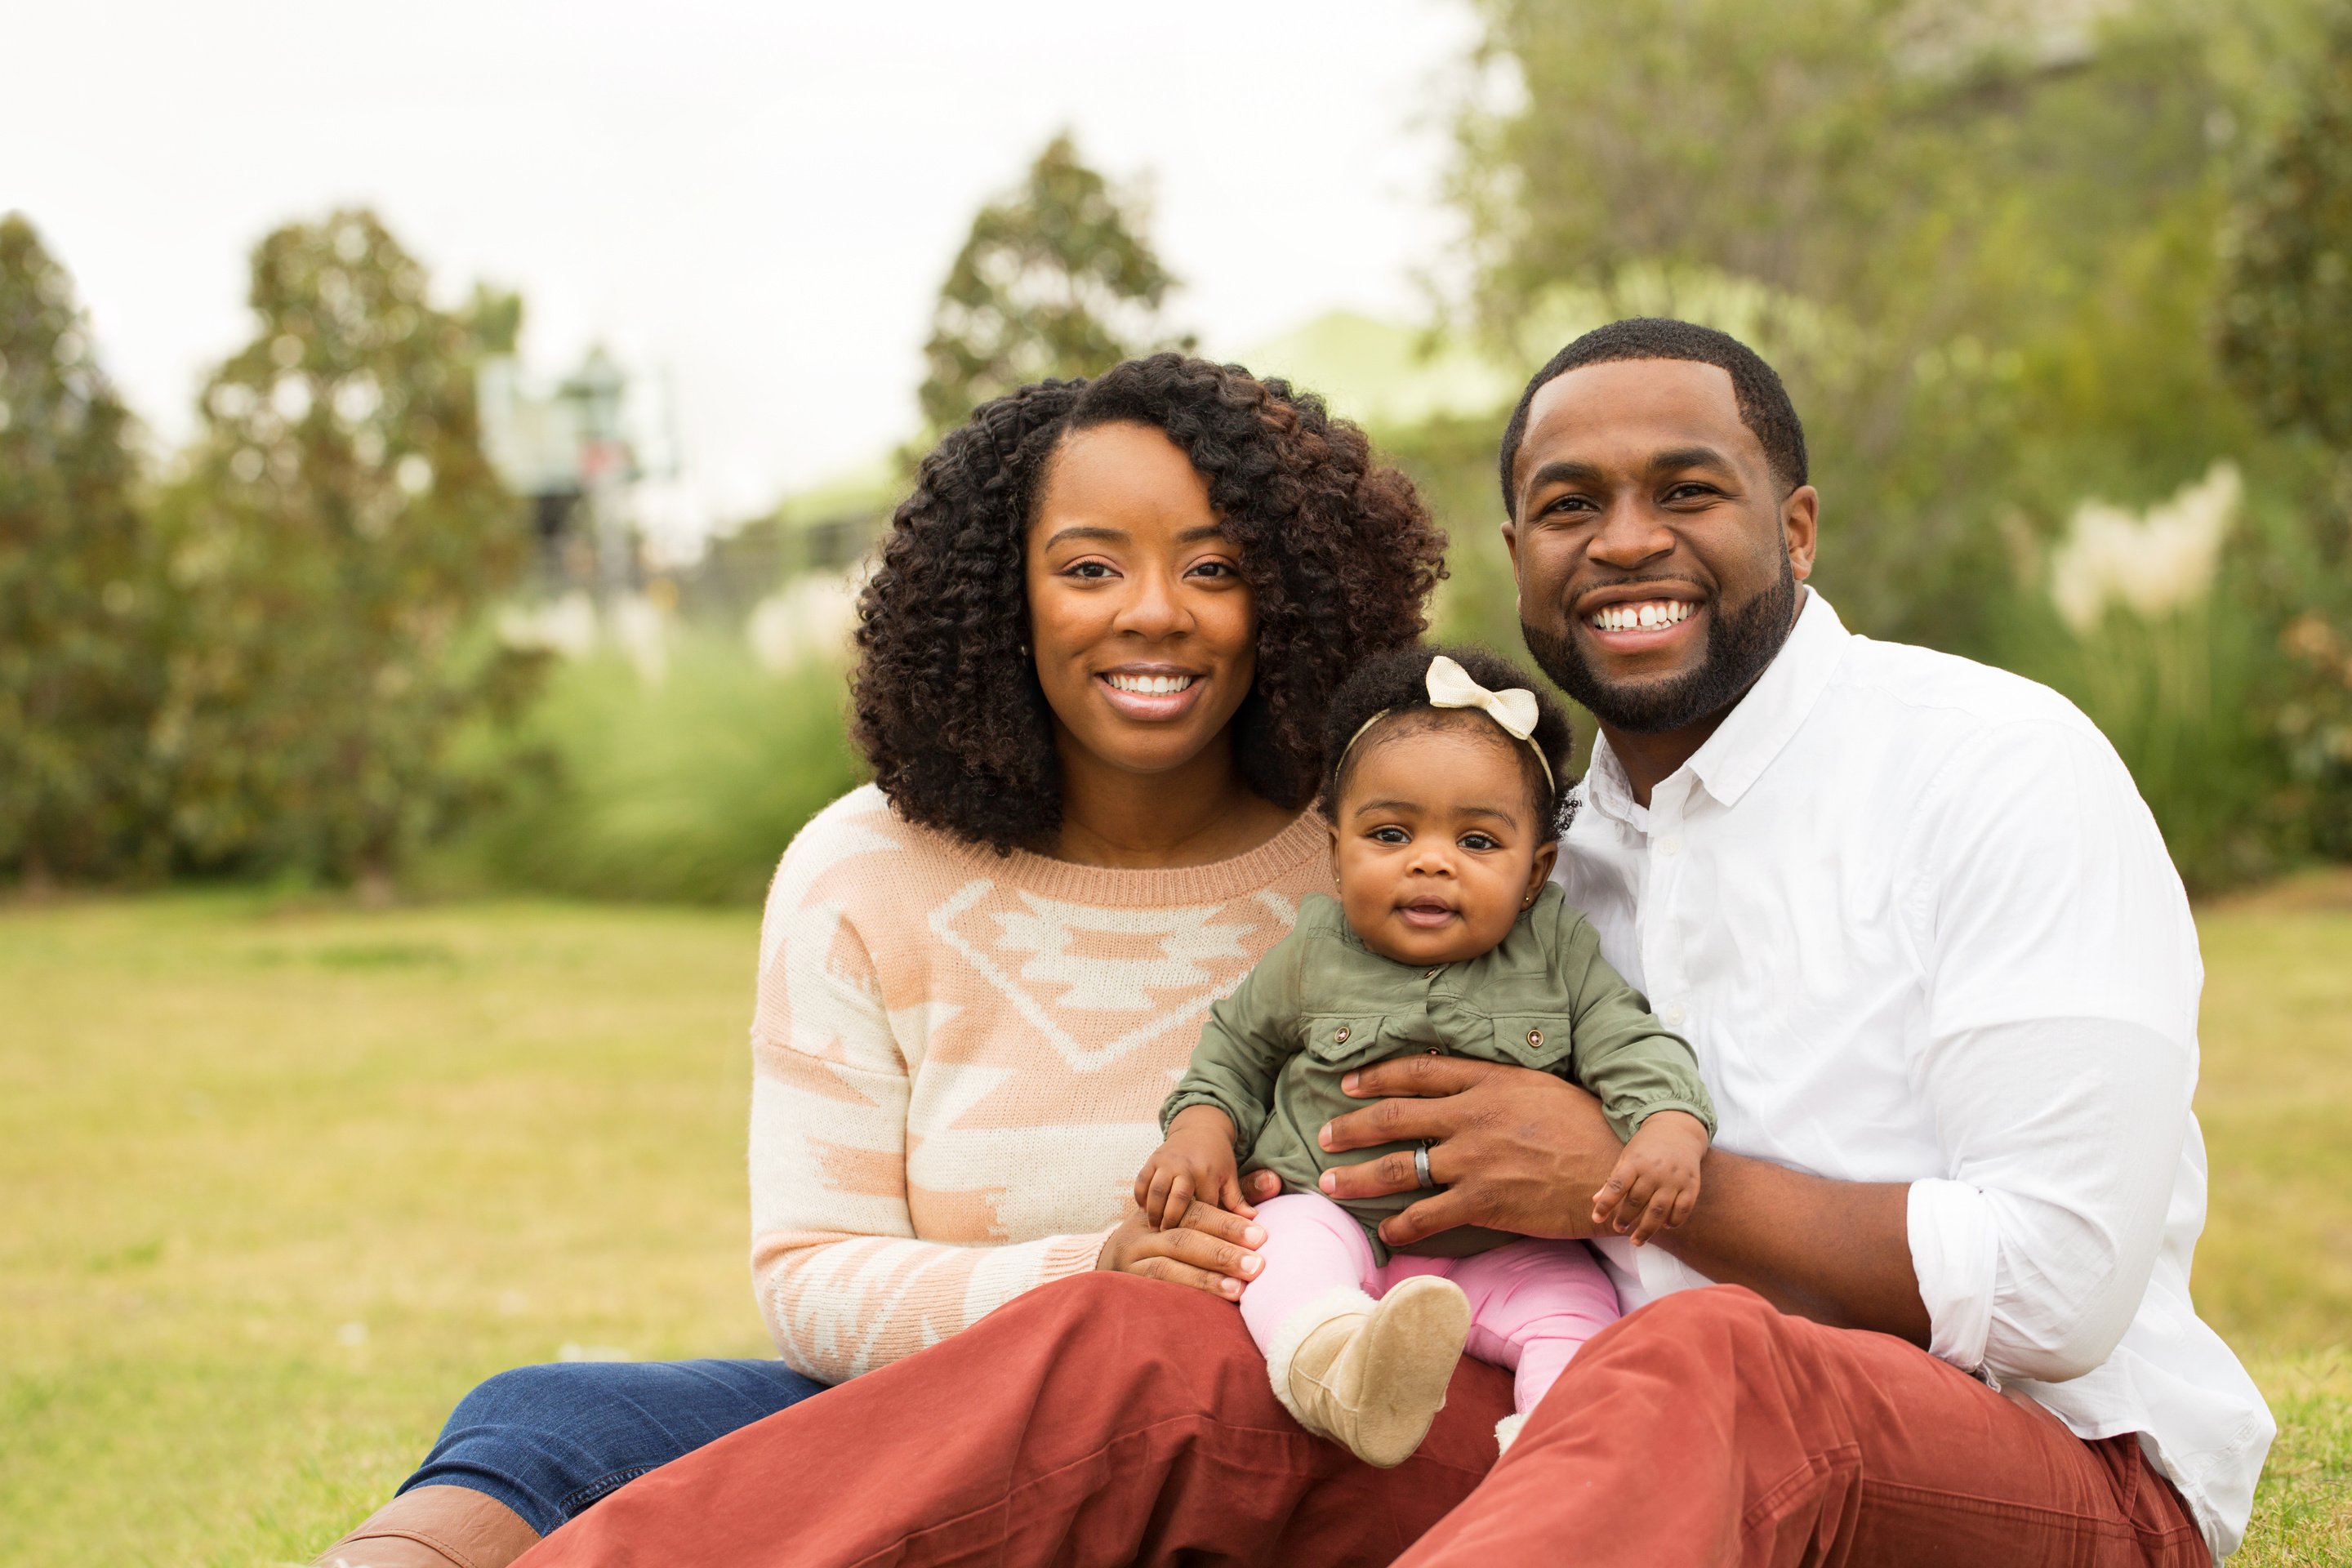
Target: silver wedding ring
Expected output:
[1422,1178]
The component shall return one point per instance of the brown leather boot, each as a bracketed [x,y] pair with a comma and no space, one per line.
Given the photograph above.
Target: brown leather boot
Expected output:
[435,1527]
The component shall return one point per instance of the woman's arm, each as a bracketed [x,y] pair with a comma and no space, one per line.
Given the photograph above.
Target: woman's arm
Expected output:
[842,1279]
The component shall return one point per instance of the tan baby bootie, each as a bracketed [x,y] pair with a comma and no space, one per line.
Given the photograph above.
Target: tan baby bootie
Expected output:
[1371,1375]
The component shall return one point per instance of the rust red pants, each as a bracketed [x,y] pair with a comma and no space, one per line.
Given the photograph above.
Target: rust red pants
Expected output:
[1108,1420]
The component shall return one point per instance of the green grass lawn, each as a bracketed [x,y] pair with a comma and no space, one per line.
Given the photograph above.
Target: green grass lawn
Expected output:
[282,1181]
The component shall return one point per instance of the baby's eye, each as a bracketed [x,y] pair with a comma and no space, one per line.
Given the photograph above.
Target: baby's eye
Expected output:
[1390,835]
[1476,841]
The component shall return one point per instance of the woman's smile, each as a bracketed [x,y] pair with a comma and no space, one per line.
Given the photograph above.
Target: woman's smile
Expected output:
[1151,693]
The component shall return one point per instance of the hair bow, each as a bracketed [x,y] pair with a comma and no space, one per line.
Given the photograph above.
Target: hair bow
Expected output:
[1451,686]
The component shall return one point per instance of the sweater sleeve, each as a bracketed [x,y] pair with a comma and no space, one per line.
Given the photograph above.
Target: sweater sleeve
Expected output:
[1636,1065]
[842,1279]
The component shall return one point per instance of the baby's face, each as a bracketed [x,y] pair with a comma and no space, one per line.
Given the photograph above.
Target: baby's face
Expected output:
[1436,846]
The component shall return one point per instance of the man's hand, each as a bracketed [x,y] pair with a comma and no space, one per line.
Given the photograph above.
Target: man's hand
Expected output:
[1212,1250]
[1516,1150]
[1655,1185]
[1196,1162]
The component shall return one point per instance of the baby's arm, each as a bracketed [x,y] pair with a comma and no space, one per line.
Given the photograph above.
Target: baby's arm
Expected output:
[1222,1101]
[1654,1184]
[1649,1086]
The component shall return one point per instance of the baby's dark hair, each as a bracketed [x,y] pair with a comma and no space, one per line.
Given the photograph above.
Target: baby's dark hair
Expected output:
[1395,687]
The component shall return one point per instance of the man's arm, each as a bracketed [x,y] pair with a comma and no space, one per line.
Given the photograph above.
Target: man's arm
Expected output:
[1521,1151]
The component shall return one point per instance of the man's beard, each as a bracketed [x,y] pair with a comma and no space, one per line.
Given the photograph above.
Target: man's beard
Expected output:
[1738,647]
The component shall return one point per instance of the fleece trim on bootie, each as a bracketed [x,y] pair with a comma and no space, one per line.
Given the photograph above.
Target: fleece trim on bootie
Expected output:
[1339,1302]
[1507,1431]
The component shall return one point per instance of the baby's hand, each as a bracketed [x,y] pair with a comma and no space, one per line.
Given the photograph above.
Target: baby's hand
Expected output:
[1654,1187]
[1196,1162]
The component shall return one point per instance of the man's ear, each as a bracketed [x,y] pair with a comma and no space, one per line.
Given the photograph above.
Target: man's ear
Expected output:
[1800,521]
[1546,857]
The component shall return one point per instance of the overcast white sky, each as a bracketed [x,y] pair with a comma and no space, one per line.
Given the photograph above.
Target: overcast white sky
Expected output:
[758,198]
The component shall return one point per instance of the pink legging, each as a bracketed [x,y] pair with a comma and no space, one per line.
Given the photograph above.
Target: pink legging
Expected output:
[1532,1303]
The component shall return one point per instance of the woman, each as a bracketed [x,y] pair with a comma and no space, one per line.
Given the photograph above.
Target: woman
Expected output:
[1092,668]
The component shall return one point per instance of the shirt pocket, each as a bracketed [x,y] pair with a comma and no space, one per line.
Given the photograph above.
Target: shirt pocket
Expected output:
[1538,1040]
[1350,1039]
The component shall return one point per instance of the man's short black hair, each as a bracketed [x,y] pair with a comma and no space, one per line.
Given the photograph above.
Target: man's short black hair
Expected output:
[1764,406]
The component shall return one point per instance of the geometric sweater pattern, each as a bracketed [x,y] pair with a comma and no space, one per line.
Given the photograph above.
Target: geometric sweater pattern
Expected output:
[958,1060]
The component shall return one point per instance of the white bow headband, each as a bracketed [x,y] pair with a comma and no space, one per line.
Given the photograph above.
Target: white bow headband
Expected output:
[1451,686]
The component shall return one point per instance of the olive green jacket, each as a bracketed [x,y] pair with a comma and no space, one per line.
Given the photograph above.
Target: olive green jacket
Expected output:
[1321,1003]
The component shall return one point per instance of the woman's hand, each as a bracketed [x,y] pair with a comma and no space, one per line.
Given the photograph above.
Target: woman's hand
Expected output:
[1213,1251]
[1196,1162]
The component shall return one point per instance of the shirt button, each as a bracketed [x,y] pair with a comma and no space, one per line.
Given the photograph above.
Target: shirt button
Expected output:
[1430,973]
[1534,1037]
[1673,1017]
[1340,1035]
[1671,843]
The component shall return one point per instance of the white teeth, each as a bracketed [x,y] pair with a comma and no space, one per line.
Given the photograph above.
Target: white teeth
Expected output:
[1648,615]
[1151,685]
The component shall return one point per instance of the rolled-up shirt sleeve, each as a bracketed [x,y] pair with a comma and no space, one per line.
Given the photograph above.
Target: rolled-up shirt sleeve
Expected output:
[2059,1058]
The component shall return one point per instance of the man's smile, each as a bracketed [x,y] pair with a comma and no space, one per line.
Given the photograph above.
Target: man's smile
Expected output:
[1647,616]
[1638,617]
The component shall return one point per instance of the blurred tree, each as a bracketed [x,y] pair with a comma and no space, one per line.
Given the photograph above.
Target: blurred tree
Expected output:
[1056,280]
[2285,334]
[2286,318]
[77,660]
[336,535]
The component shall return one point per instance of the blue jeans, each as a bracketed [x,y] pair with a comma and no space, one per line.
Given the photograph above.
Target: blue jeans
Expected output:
[547,1441]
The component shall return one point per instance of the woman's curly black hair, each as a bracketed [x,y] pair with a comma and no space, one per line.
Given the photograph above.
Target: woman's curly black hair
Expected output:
[1394,687]
[1338,552]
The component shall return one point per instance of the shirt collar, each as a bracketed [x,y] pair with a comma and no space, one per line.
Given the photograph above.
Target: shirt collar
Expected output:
[1758,725]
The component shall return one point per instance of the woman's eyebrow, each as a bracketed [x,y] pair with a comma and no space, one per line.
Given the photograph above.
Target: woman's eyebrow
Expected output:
[1206,531]
[1088,530]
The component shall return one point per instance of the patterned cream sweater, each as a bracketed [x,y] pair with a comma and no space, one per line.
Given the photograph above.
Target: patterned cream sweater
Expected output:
[958,1064]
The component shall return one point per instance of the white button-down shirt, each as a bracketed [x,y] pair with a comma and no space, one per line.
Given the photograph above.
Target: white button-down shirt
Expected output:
[1916,923]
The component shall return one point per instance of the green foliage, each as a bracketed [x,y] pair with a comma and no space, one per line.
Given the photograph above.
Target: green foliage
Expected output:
[687,791]
[1056,280]
[335,534]
[77,604]
[2286,320]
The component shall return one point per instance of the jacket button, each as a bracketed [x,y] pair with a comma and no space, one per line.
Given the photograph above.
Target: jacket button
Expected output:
[1340,1035]
[1534,1037]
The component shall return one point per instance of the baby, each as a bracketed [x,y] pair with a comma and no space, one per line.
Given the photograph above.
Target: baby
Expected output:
[1443,798]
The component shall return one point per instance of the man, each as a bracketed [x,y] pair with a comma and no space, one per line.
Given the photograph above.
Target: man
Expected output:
[1942,980]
